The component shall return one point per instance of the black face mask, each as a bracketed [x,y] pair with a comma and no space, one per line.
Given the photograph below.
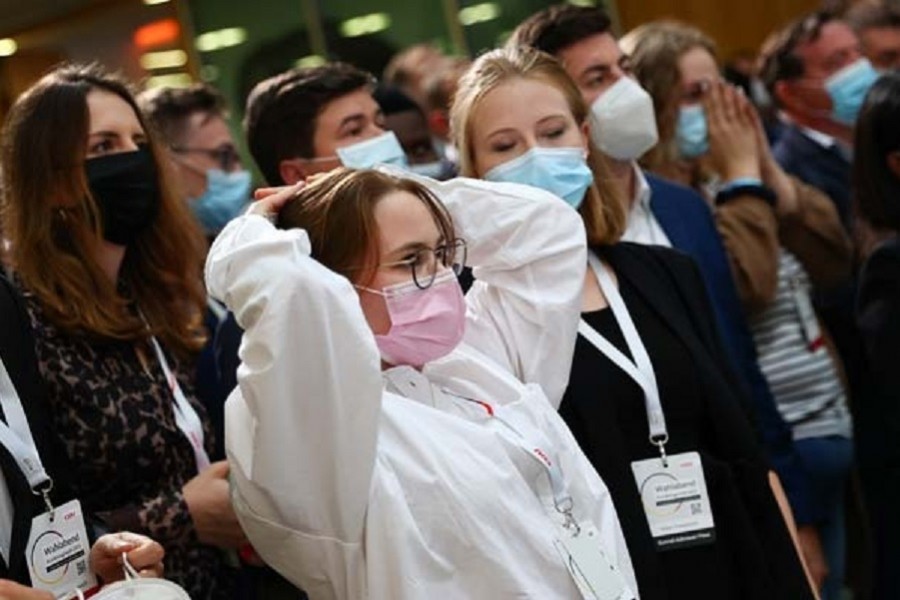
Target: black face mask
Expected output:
[126,188]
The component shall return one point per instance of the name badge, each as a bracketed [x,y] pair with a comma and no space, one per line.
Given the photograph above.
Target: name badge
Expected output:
[58,551]
[594,574]
[675,501]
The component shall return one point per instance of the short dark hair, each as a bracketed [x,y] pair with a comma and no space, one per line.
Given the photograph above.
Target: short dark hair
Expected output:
[280,120]
[167,109]
[869,16]
[560,26]
[781,61]
[876,189]
[392,100]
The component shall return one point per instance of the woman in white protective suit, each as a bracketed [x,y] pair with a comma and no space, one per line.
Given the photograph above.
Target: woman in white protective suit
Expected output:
[391,438]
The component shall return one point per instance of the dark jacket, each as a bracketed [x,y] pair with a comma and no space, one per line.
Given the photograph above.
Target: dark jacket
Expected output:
[753,541]
[17,353]
[689,225]
[824,168]
[877,414]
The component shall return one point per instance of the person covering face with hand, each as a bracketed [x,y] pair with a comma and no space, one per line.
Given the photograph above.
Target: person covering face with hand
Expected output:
[784,237]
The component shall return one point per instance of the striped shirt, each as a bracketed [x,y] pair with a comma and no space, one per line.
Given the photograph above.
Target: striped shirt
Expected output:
[803,378]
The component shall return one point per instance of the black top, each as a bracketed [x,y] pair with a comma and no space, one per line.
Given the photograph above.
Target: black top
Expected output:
[753,556]
[877,410]
[17,353]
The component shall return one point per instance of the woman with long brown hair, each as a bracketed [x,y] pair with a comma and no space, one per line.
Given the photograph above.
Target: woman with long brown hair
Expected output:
[651,399]
[109,259]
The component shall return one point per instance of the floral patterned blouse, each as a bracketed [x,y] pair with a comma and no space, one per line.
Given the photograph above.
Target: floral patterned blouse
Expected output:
[113,411]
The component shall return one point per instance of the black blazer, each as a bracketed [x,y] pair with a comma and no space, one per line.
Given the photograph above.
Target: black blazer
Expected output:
[878,317]
[765,559]
[17,352]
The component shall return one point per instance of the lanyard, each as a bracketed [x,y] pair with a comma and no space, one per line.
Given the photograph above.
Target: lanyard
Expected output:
[15,435]
[186,418]
[414,385]
[533,442]
[641,369]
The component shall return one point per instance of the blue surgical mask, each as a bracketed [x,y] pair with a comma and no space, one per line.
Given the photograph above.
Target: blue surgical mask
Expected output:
[848,88]
[383,149]
[225,197]
[561,171]
[691,133]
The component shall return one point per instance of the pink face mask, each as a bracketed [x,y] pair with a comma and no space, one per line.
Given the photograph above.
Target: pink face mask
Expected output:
[425,324]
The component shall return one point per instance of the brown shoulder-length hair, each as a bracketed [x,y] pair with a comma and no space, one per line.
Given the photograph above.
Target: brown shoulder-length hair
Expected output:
[655,50]
[337,210]
[603,210]
[53,225]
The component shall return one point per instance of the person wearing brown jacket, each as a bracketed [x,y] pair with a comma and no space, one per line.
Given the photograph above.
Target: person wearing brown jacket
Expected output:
[784,239]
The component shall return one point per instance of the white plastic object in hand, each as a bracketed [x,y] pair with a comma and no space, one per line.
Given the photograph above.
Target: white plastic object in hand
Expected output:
[134,587]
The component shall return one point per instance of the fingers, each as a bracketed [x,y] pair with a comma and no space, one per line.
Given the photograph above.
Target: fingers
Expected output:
[271,200]
[147,556]
[218,470]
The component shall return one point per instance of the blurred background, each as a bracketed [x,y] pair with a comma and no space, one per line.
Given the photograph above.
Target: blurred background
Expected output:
[233,44]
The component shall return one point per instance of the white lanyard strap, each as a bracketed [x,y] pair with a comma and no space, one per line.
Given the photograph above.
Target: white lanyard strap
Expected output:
[15,435]
[186,418]
[641,369]
[536,444]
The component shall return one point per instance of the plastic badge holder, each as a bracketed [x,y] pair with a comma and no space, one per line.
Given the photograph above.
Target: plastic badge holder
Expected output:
[134,587]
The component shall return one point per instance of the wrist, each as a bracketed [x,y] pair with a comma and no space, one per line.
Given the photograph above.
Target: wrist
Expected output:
[742,171]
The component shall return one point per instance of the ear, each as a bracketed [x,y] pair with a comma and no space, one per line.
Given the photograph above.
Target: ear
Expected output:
[893,163]
[786,96]
[292,170]
[586,135]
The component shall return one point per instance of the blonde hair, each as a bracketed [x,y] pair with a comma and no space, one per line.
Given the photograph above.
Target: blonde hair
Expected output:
[603,210]
[655,49]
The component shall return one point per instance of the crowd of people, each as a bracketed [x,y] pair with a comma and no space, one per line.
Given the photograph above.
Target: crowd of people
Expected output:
[584,317]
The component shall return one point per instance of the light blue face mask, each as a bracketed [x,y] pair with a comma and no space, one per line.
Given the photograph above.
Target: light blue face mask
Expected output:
[382,149]
[691,133]
[561,171]
[225,197]
[848,88]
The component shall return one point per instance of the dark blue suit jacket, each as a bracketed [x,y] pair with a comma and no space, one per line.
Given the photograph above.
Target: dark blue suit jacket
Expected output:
[824,168]
[688,222]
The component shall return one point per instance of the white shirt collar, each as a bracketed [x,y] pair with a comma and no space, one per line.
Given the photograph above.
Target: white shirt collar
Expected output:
[643,228]
[641,189]
[822,139]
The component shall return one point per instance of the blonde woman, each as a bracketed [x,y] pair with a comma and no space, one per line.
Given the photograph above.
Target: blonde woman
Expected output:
[651,399]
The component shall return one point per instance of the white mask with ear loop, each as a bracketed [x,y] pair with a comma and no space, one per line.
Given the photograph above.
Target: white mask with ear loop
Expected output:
[135,587]
[623,123]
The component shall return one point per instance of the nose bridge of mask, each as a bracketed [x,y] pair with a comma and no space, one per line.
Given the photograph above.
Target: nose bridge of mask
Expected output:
[561,171]
[415,305]
[382,149]
[623,122]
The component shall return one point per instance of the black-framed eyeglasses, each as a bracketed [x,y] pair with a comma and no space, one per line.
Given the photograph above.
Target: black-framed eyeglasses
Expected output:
[424,262]
[226,155]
